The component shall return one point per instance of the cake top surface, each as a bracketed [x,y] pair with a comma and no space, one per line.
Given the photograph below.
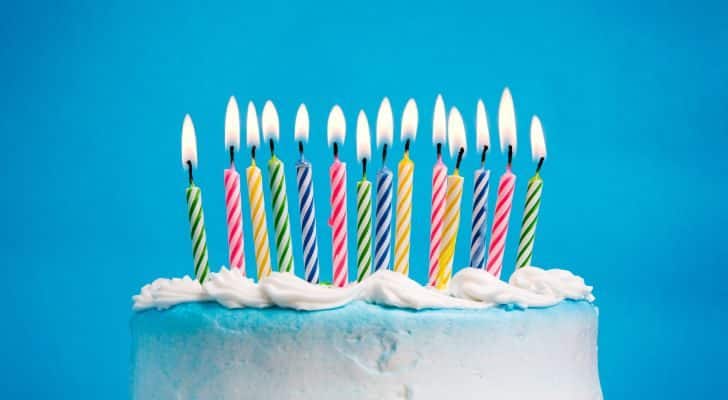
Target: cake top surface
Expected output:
[471,288]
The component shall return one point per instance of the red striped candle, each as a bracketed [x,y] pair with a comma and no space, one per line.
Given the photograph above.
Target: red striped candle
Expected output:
[336,133]
[233,207]
[500,222]
[437,212]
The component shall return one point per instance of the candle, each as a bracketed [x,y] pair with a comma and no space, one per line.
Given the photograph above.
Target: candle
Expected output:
[336,133]
[194,202]
[306,202]
[255,196]
[499,232]
[233,207]
[405,172]
[458,144]
[363,200]
[439,187]
[383,221]
[533,197]
[480,191]
[277,183]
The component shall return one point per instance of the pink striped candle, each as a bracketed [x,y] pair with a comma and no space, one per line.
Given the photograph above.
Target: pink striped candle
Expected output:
[499,232]
[437,212]
[233,207]
[337,221]
[500,223]
[236,256]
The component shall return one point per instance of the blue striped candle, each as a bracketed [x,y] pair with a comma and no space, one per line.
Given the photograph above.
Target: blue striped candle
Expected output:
[383,246]
[308,220]
[480,215]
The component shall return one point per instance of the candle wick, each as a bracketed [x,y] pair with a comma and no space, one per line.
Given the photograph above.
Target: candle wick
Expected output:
[510,155]
[364,167]
[439,150]
[540,164]
[406,146]
[300,148]
[384,153]
[460,158]
[272,147]
[482,156]
[252,153]
[232,154]
[189,171]
[336,150]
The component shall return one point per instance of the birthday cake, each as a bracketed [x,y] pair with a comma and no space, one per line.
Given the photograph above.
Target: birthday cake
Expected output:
[467,335]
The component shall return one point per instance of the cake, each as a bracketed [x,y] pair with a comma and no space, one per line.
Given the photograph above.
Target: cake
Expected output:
[387,337]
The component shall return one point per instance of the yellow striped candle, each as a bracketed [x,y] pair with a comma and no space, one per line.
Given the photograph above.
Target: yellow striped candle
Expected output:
[405,172]
[255,196]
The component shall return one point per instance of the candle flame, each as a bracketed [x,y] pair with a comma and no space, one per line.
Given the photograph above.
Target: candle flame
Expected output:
[385,123]
[189,143]
[301,127]
[363,139]
[409,121]
[270,121]
[482,132]
[538,143]
[439,122]
[336,126]
[456,132]
[252,132]
[507,121]
[232,125]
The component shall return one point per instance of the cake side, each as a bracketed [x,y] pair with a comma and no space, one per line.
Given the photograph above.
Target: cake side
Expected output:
[366,351]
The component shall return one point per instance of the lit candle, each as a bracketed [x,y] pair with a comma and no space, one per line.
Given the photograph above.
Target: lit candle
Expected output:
[306,204]
[336,134]
[363,200]
[279,201]
[458,145]
[255,196]
[233,207]
[480,190]
[383,216]
[439,187]
[405,172]
[194,202]
[507,134]
[533,197]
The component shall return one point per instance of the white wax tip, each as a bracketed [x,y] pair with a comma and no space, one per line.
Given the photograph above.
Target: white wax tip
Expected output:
[482,132]
[456,132]
[270,121]
[363,138]
[385,123]
[538,143]
[189,143]
[232,125]
[409,121]
[252,131]
[301,127]
[507,121]
[336,126]
[439,122]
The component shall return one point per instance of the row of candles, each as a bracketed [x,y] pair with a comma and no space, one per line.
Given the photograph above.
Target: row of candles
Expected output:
[372,254]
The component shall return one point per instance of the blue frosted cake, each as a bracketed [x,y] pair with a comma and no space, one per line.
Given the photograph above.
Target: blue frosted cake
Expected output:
[385,338]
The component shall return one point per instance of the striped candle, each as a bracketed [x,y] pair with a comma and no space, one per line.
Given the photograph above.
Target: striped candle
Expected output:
[308,220]
[197,232]
[234,215]
[363,228]
[450,229]
[480,215]
[437,212]
[499,231]
[281,221]
[383,228]
[530,217]
[403,225]
[337,175]
[258,219]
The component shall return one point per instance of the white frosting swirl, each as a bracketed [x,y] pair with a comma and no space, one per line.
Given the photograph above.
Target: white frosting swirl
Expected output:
[471,288]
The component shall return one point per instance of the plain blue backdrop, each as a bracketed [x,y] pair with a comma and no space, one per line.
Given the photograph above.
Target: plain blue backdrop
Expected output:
[632,97]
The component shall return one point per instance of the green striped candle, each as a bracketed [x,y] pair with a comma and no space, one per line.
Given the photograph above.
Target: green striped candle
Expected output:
[363,228]
[280,215]
[197,232]
[533,197]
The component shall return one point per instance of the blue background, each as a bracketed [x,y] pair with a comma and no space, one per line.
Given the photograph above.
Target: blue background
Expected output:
[632,98]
